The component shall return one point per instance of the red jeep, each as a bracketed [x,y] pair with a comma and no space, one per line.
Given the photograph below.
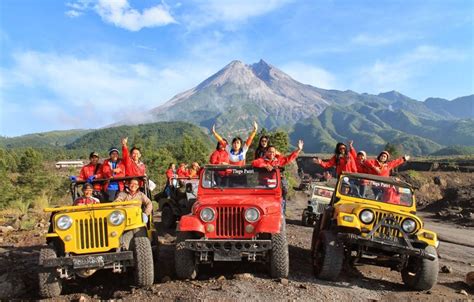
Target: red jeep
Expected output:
[237,217]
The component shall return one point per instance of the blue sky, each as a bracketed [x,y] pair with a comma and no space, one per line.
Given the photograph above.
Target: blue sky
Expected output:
[86,64]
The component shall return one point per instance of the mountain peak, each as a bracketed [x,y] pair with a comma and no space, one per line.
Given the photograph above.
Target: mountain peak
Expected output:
[394,96]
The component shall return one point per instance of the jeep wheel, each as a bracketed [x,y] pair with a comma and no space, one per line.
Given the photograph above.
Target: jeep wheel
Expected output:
[328,256]
[167,217]
[143,255]
[49,282]
[279,260]
[184,262]
[421,273]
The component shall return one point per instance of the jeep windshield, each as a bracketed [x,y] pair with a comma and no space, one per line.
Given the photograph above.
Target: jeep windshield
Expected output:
[376,189]
[239,178]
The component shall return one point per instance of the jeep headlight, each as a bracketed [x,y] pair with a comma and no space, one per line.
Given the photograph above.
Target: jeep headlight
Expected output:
[64,222]
[408,225]
[251,214]
[366,216]
[207,214]
[116,218]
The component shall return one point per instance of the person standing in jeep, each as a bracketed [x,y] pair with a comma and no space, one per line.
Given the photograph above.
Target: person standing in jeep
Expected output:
[238,151]
[382,167]
[133,165]
[220,155]
[113,167]
[270,161]
[342,159]
[90,171]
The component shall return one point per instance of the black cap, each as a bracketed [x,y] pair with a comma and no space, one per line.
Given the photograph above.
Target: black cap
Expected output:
[93,154]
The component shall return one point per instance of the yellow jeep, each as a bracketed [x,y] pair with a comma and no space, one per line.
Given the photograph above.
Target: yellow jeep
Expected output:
[372,220]
[86,238]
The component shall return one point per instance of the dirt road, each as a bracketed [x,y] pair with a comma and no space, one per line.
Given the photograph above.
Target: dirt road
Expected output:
[243,281]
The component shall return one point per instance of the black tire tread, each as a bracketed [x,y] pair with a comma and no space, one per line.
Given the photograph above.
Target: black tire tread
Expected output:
[427,276]
[48,280]
[333,258]
[279,257]
[144,270]
[185,265]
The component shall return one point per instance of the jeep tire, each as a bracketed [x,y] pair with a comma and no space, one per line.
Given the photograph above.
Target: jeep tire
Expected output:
[143,256]
[167,217]
[421,273]
[184,262]
[279,258]
[49,282]
[328,256]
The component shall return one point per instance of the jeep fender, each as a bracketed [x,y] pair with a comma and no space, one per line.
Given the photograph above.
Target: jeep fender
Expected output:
[190,223]
[269,224]
[429,237]
[348,221]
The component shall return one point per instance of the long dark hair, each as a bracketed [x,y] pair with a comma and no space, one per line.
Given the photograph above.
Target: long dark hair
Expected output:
[338,153]
[260,151]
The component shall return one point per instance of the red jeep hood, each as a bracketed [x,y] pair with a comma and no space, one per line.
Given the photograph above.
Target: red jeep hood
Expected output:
[239,200]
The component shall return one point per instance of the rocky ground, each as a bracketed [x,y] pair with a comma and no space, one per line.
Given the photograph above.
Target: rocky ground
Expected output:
[19,252]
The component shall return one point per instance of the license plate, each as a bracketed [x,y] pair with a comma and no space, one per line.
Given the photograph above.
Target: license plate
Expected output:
[85,262]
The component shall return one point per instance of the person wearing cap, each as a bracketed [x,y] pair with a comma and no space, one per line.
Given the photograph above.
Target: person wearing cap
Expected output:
[382,166]
[87,198]
[113,167]
[135,194]
[342,159]
[133,165]
[90,171]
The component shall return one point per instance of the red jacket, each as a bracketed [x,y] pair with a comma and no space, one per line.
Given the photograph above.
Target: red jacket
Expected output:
[183,173]
[345,164]
[131,167]
[361,166]
[277,161]
[85,200]
[170,174]
[391,195]
[218,157]
[384,168]
[107,172]
[91,170]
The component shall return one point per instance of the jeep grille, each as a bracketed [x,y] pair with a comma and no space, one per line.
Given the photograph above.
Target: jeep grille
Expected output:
[230,222]
[91,233]
[385,231]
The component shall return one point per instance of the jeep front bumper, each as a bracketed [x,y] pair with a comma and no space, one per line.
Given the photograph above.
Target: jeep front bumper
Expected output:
[392,245]
[94,261]
[228,250]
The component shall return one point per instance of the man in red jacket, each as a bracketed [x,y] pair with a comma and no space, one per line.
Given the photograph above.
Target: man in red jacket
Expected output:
[113,167]
[269,161]
[90,171]
[133,165]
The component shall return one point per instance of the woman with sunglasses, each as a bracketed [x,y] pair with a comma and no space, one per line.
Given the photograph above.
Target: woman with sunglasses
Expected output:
[263,143]
[342,159]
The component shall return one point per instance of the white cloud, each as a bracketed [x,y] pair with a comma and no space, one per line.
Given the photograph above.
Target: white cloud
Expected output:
[74,92]
[121,14]
[230,11]
[400,72]
[312,75]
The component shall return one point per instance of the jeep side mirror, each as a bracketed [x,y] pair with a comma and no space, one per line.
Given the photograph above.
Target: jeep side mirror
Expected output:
[189,188]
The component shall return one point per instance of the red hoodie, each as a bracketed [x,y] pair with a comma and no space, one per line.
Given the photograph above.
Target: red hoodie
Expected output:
[218,157]
[132,168]
[384,168]
[107,173]
[361,166]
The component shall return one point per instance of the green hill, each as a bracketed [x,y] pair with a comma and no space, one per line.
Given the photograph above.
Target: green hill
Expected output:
[43,140]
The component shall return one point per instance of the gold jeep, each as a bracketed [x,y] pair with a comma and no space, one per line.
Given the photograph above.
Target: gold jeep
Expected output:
[372,220]
[86,238]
